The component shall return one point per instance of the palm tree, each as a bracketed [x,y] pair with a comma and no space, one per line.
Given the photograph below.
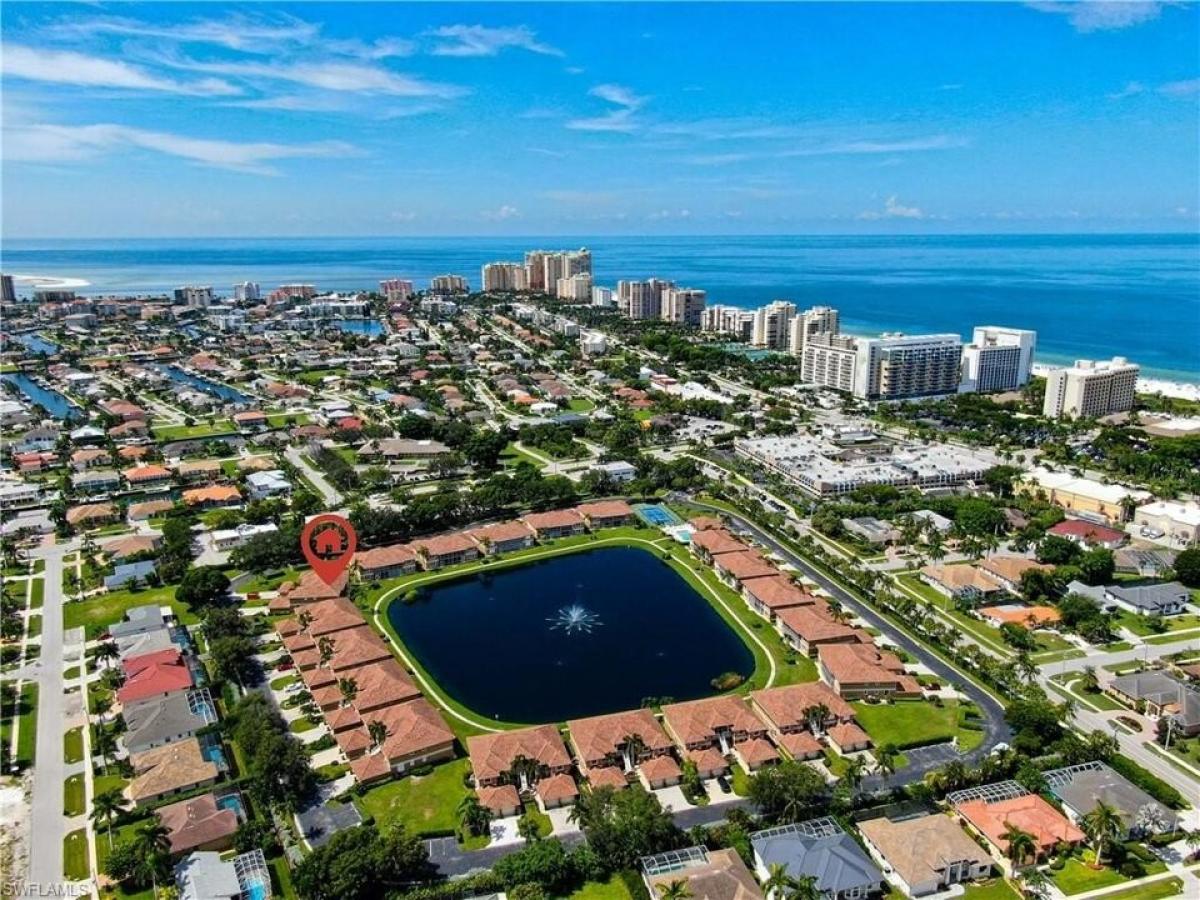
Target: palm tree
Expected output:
[885,760]
[805,888]
[474,816]
[524,770]
[106,652]
[632,748]
[1192,839]
[674,890]
[1091,683]
[1018,845]
[1103,825]
[304,619]
[527,827]
[106,807]
[377,730]
[1036,883]
[856,768]
[815,717]
[153,844]
[325,647]
[778,882]
[349,689]
[104,742]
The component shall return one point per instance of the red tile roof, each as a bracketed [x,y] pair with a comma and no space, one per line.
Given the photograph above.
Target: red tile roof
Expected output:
[492,754]
[161,672]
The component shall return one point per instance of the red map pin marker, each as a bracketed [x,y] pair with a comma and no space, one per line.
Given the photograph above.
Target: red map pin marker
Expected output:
[328,542]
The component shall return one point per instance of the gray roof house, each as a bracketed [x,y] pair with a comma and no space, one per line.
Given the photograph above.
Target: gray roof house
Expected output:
[139,620]
[821,849]
[1151,599]
[127,572]
[163,720]
[1081,788]
[1095,593]
[203,875]
[1162,696]
[147,642]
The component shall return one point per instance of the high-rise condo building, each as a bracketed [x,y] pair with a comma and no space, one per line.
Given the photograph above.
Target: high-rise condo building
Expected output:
[898,366]
[246,291]
[602,296]
[683,305]
[575,289]
[772,325]
[642,299]
[998,359]
[543,268]
[830,360]
[194,296]
[1090,389]
[448,284]
[397,290]
[813,321]
[8,293]
[504,276]
[732,320]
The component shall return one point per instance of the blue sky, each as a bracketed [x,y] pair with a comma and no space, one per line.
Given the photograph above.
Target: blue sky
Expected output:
[427,119]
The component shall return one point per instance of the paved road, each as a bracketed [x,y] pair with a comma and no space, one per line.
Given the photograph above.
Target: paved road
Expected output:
[49,772]
[996,730]
[330,494]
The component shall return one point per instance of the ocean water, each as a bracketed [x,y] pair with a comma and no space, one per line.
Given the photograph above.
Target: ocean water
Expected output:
[1088,296]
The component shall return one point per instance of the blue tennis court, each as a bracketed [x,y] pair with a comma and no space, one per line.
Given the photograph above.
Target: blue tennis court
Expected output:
[657,515]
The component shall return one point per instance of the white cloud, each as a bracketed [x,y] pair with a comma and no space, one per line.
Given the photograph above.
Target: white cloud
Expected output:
[1102,15]
[1180,88]
[619,95]
[501,214]
[620,119]
[480,40]
[402,216]
[717,159]
[662,214]
[58,143]
[908,145]
[331,75]
[1132,89]
[892,209]
[69,67]
[546,151]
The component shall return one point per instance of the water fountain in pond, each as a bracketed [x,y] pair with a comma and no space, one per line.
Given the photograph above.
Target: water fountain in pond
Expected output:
[574,619]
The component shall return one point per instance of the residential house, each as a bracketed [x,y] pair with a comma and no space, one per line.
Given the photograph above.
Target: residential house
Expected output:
[154,675]
[163,719]
[707,874]
[555,524]
[385,562]
[138,572]
[520,760]
[964,583]
[1162,696]
[1006,571]
[89,515]
[226,539]
[173,768]
[925,854]
[502,537]
[991,810]
[213,495]
[443,550]
[200,823]
[1089,534]
[818,849]
[1167,599]
[710,543]
[207,876]
[97,481]
[268,483]
[416,735]
[791,712]
[606,513]
[147,476]
[198,470]
[612,746]
[708,730]
[1081,788]
[861,670]
[771,594]
[808,627]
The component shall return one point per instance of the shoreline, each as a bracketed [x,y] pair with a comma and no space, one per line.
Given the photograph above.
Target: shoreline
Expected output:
[1180,390]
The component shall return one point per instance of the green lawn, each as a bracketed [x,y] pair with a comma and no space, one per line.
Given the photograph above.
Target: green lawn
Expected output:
[33,626]
[37,594]
[26,717]
[269,581]
[739,780]
[1154,890]
[283,681]
[981,631]
[301,725]
[422,803]
[199,430]
[544,825]
[74,802]
[513,455]
[1140,625]
[580,405]
[112,781]
[73,745]
[97,613]
[908,723]
[1077,876]
[279,420]
[995,889]
[76,858]
[613,889]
